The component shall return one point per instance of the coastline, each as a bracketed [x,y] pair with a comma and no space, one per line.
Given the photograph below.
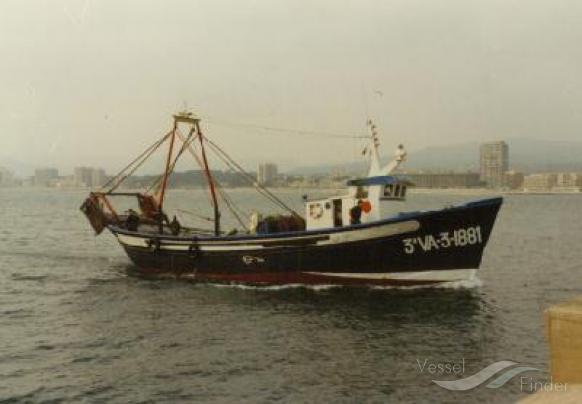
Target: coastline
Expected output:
[412,190]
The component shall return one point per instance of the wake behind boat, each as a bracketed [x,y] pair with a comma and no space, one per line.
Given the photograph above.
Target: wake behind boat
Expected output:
[341,239]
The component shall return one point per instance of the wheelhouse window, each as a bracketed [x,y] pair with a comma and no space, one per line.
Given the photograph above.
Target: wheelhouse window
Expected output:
[395,191]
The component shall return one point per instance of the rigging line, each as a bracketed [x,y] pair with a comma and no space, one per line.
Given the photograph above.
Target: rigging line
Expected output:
[246,176]
[237,209]
[229,204]
[192,150]
[273,197]
[144,159]
[287,131]
[147,152]
[251,180]
[223,193]
[140,163]
[240,215]
[189,144]
[265,192]
[227,201]
[185,142]
[197,215]
[240,210]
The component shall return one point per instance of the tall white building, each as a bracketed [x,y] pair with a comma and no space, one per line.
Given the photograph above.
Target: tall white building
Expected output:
[267,174]
[494,163]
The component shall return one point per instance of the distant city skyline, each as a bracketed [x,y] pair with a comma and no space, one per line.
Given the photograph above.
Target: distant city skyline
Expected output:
[529,155]
[493,154]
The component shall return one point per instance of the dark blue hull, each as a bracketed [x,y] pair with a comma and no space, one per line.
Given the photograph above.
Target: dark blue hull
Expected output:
[412,248]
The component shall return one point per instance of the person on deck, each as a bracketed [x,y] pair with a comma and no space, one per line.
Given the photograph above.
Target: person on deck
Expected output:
[132,220]
[356,213]
[175,226]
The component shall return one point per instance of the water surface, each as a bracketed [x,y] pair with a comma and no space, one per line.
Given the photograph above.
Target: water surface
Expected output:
[75,325]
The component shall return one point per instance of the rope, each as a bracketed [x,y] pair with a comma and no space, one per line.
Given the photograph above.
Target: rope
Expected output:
[228,202]
[231,205]
[185,144]
[288,131]
[261,189]
[199,216]
[247,176]
[143,157]
[192,150]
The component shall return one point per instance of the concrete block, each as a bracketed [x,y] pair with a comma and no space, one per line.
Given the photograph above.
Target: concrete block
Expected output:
[564,334]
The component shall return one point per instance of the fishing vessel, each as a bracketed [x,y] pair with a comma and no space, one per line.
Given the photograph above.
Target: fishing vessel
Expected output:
[342,239]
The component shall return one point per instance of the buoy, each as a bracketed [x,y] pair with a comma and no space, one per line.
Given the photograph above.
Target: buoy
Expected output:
[366,206]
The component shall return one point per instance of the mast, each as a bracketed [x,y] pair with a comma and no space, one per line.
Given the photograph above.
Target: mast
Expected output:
[190,118]
[374,144]
[375,191]
[167,170]
[210,180]
[375,166]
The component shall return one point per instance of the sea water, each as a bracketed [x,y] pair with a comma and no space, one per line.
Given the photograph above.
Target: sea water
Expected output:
[75,325]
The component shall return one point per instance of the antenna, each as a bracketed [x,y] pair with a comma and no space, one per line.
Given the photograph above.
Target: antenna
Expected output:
[184,106]
[365,101]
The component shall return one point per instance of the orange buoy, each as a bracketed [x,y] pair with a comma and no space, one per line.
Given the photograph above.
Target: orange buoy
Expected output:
[366,206]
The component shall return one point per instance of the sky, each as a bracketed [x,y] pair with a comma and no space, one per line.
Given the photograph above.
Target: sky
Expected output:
[93,82]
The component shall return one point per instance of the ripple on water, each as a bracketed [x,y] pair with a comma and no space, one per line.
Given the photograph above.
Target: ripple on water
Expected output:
[75,327]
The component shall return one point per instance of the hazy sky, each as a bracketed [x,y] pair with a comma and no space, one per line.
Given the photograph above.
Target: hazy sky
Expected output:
[93,82]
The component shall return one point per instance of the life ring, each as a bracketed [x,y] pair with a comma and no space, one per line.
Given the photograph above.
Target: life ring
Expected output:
[366,206]
[315,210]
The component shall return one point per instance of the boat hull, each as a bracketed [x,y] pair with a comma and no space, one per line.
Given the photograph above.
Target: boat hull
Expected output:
[414,248]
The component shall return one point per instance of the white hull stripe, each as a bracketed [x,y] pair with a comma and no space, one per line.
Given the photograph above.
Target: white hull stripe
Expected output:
[134,241]
[372,232]
[387,230]
[211,247]
[446,275]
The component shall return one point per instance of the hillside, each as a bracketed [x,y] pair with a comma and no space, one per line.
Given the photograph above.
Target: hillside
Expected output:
[527,155]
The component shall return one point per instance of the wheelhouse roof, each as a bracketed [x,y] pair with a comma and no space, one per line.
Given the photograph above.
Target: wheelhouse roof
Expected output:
[380,180]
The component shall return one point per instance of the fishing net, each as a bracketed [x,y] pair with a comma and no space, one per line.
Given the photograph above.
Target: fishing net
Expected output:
[95,214]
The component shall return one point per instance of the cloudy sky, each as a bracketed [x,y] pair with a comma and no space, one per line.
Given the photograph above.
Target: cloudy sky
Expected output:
[94,81]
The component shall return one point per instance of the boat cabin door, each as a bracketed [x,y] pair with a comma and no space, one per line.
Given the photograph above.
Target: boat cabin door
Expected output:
[337,213]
